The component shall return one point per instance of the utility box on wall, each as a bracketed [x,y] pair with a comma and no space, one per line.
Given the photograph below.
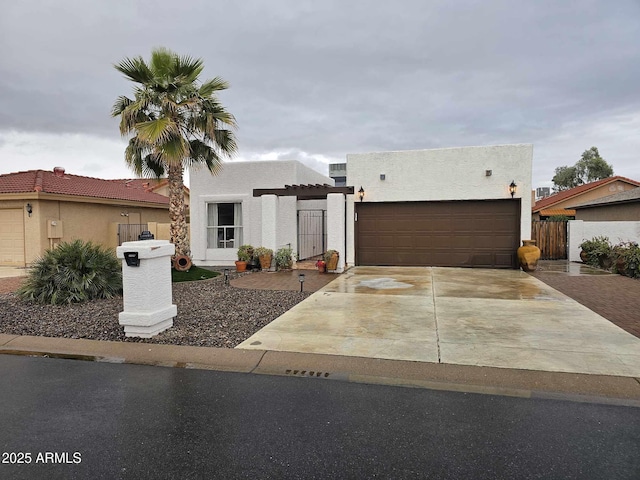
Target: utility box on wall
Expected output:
[146,283]
[54,229]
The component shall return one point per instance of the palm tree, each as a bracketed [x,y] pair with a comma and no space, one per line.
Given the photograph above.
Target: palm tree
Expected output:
[174,122]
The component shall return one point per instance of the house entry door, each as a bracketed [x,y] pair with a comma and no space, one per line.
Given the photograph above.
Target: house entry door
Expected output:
[312,233]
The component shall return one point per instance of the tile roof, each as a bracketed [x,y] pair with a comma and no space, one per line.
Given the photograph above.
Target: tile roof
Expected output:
[151,184]
[557,211]
[547,202]
[59,182]
[620,197]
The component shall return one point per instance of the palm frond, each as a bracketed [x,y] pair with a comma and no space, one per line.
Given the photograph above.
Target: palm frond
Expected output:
[157,131]
[153,166]
[201,153]
[135,69]
[187,68]
[209,87]
[120,105]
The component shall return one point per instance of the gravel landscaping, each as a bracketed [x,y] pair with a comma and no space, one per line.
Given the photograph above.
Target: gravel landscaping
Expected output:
[210,314]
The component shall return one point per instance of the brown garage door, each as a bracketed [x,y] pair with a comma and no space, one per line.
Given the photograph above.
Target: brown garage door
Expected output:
[483,233]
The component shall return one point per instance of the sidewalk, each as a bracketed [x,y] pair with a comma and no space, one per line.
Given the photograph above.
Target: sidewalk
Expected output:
[461,378]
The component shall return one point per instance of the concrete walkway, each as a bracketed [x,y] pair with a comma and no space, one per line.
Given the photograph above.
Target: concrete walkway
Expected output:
[493,318]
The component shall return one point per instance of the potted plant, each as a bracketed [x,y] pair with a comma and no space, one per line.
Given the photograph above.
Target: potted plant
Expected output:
[264,254]
[284,258]
[321,266]
[631,256]
[603,252]
[331,258]
[245,253]
[597,252]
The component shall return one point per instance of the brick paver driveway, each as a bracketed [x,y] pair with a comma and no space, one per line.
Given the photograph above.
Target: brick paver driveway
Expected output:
[614,297]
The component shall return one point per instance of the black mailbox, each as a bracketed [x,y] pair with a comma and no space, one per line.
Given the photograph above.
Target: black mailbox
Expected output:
[132,259]
[145,235]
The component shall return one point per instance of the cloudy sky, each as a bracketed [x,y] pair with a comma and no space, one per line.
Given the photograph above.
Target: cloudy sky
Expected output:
[315,80]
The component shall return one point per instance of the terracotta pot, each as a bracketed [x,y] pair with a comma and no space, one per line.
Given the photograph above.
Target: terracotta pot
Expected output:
[322,267]
[332,264]
[528,255]
[265,262]
[583,256]
[241,266]
[605,262]
[182,263]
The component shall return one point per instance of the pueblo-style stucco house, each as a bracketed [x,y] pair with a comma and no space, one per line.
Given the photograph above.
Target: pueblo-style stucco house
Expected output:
[562,203]
[464,207]
[40,208]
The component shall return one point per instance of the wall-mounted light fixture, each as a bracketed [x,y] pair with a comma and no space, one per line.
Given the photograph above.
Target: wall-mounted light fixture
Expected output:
[512,188]
[361,193]
[301,280]
[29,209]
[488,173]
[124,214]
[382,176]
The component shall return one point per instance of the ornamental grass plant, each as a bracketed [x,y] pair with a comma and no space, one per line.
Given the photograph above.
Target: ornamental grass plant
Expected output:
[73,272]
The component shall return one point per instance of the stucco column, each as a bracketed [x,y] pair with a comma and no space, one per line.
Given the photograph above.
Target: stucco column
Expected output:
[336,227]
[269,222]
[575,234]
[350,257]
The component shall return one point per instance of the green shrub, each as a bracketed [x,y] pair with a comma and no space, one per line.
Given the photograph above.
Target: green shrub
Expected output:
[284,258]
[72,273]
[598,250]
[630,253]
[245,253]
[262,251]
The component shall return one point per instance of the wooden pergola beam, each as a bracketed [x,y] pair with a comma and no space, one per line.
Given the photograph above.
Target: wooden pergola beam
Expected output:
[303,192]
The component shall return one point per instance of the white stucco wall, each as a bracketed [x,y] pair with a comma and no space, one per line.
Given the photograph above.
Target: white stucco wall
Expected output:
[443,174]
[235,183]
[580,230]
[335,226]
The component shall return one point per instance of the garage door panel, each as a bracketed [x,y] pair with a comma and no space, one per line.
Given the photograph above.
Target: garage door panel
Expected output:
[463,233]
[11,237]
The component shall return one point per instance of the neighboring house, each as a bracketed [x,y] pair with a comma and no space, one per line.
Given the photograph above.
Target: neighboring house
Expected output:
[623,206]
[157,185]
[225,213]
[442,207]
[562,203]
[40,208]
[338,171]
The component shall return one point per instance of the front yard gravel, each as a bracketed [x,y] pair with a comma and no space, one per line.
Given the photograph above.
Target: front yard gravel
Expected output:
[210,314]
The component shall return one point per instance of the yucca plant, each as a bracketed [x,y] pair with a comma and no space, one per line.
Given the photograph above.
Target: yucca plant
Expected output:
[73,272]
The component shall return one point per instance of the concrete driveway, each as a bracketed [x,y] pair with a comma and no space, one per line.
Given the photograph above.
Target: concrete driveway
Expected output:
[497,318]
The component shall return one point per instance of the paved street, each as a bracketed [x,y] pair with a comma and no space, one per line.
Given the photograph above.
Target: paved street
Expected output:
[131,421]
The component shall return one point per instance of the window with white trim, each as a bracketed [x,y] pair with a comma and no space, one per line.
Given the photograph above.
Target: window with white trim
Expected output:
[224,225]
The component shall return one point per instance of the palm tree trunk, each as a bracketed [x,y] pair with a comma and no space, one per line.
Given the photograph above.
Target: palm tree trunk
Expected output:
[178,230]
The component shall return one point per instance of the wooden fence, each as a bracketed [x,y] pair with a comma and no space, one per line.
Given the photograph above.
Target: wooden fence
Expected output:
[551,239]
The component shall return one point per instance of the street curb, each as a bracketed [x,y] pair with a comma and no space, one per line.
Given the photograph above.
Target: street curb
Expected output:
[601,389]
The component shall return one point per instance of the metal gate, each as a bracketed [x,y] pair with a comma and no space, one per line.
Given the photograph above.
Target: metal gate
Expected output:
[130,232]
[312,233]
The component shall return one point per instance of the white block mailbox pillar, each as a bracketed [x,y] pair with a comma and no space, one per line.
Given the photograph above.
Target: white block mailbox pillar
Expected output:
[146,283]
